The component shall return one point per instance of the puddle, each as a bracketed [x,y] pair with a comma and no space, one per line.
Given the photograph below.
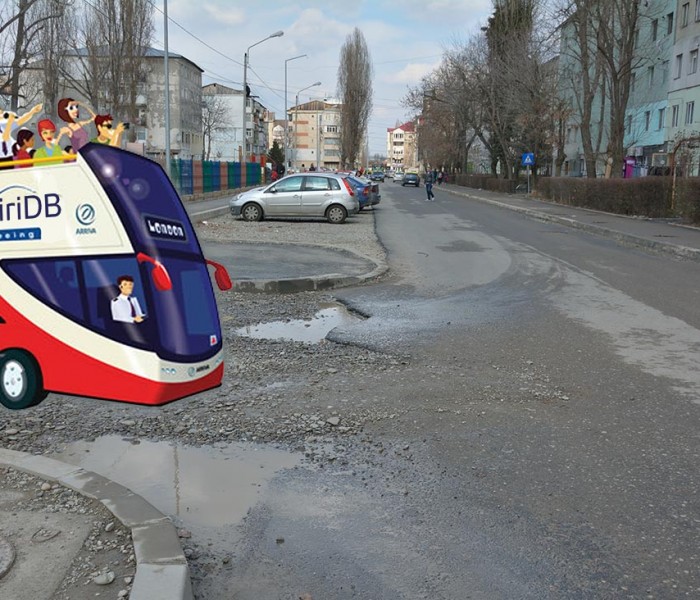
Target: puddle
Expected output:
[210,486]
[311,331]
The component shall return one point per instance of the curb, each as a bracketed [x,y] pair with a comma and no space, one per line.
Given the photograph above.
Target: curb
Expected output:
[308,284]
[162,572]
[618,236]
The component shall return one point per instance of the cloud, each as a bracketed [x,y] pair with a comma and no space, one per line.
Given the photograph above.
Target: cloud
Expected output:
[412,73]
[224,15]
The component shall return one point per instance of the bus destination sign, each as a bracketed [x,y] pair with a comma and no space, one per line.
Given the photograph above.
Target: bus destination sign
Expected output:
[165,229]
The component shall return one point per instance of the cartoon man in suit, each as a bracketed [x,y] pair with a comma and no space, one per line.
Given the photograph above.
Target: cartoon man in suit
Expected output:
[125,307]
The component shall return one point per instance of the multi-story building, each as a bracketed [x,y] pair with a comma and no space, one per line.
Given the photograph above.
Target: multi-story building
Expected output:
[147,126]
[683,120]
[402,147]
[315,135]
[646,115]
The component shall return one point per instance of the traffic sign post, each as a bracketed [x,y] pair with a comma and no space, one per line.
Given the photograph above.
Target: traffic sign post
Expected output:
[528,160]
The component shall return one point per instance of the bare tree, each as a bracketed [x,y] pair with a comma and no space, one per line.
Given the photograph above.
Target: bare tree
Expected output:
[111,38]
[355,91]
[215,118]
[21,22]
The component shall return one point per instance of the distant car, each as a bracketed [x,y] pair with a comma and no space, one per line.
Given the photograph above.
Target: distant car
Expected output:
[324,195]
[398,177]
[377,176]
[411,179]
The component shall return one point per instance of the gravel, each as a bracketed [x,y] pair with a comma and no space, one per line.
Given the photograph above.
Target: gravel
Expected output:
[273,391]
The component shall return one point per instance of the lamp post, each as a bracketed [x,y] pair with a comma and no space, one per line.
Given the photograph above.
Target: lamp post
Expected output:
[245,86]
[296,111]
[286,117]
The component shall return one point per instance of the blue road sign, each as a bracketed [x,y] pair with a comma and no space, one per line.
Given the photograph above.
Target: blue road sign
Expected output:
[528,159]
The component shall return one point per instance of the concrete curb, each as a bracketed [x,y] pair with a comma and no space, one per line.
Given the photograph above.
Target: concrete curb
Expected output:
[308,284]
[623,238]
[162,572]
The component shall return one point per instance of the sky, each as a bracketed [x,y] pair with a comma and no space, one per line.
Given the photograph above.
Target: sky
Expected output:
[406,40]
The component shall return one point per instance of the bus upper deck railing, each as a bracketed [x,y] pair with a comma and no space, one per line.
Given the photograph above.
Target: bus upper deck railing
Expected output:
[28,162]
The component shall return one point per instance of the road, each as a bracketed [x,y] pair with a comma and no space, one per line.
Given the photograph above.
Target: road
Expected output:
[545,436]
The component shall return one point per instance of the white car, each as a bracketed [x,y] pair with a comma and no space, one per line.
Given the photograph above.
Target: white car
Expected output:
[398,177]
[324,195]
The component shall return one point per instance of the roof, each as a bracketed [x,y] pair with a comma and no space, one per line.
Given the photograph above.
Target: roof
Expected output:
[315,105]
[149,53]
[408,126]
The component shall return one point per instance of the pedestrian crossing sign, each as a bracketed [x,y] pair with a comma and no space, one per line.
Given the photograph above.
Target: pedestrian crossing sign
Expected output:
[528,159]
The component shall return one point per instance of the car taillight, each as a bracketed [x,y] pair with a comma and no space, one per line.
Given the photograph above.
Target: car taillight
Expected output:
[365,192]
[349,187]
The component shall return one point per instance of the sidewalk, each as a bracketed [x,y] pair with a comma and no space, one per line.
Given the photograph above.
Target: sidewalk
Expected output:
[658,235]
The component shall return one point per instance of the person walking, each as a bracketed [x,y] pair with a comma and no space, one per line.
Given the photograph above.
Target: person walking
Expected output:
[429,187]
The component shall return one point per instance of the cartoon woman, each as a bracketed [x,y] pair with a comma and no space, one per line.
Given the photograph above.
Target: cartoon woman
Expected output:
[22,149]
[68,111]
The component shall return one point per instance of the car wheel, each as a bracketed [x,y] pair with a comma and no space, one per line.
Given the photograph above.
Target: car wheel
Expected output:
[403,184]
[251,212]
[20,380]
[336,214]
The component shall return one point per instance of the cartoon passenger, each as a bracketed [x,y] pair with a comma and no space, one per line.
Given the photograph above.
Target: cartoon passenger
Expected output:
[105,133]
[68,110]
[9,123]
[125,307]
[23,148]
[47,131]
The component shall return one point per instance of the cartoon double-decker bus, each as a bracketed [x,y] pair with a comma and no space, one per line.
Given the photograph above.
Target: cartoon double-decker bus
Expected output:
[104,291]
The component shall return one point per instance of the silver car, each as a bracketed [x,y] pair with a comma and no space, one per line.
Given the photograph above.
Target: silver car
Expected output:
[300,195]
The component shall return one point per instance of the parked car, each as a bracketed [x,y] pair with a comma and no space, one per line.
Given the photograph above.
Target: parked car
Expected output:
[324,195]
[398,177]
[411,179]
[367,192]
[377,176]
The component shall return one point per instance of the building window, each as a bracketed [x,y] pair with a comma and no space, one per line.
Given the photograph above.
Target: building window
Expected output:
[693,64]
[331,129]
[689,113]
[664,71]
[679,65]
[669,23]
[654,29]
[647,120]
[685,9]
[650,72]
[633,80]
[697,10]
[662,118]
[629,124]
[674,115]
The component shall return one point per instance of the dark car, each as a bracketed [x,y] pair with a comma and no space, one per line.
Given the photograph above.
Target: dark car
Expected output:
[362,187]
[411,179]
[377,176]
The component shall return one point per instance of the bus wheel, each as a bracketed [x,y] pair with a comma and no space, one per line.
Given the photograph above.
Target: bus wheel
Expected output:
[20,380]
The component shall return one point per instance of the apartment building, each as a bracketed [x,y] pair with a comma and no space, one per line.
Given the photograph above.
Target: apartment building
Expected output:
[402,146]
[314,135]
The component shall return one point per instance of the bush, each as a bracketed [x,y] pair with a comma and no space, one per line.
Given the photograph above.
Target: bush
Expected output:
[647,196]
[486,182]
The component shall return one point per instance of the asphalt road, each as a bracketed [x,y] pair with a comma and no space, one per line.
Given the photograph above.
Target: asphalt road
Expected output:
[545,439]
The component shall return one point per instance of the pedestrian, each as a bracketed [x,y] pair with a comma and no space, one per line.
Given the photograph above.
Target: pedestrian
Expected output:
[429,187]
[439,177]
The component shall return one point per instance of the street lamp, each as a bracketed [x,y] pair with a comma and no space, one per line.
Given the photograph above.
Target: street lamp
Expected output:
[296,111]
[286,117]
[245,85]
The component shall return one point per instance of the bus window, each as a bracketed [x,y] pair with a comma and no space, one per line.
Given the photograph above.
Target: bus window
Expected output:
[54,282]
[130,325]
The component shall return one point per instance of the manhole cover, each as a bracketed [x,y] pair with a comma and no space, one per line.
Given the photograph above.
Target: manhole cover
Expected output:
[7,556]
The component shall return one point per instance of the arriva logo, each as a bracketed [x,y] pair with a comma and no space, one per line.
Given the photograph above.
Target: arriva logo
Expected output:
[85,213]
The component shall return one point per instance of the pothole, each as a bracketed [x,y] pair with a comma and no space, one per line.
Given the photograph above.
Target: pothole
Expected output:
[310,331]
